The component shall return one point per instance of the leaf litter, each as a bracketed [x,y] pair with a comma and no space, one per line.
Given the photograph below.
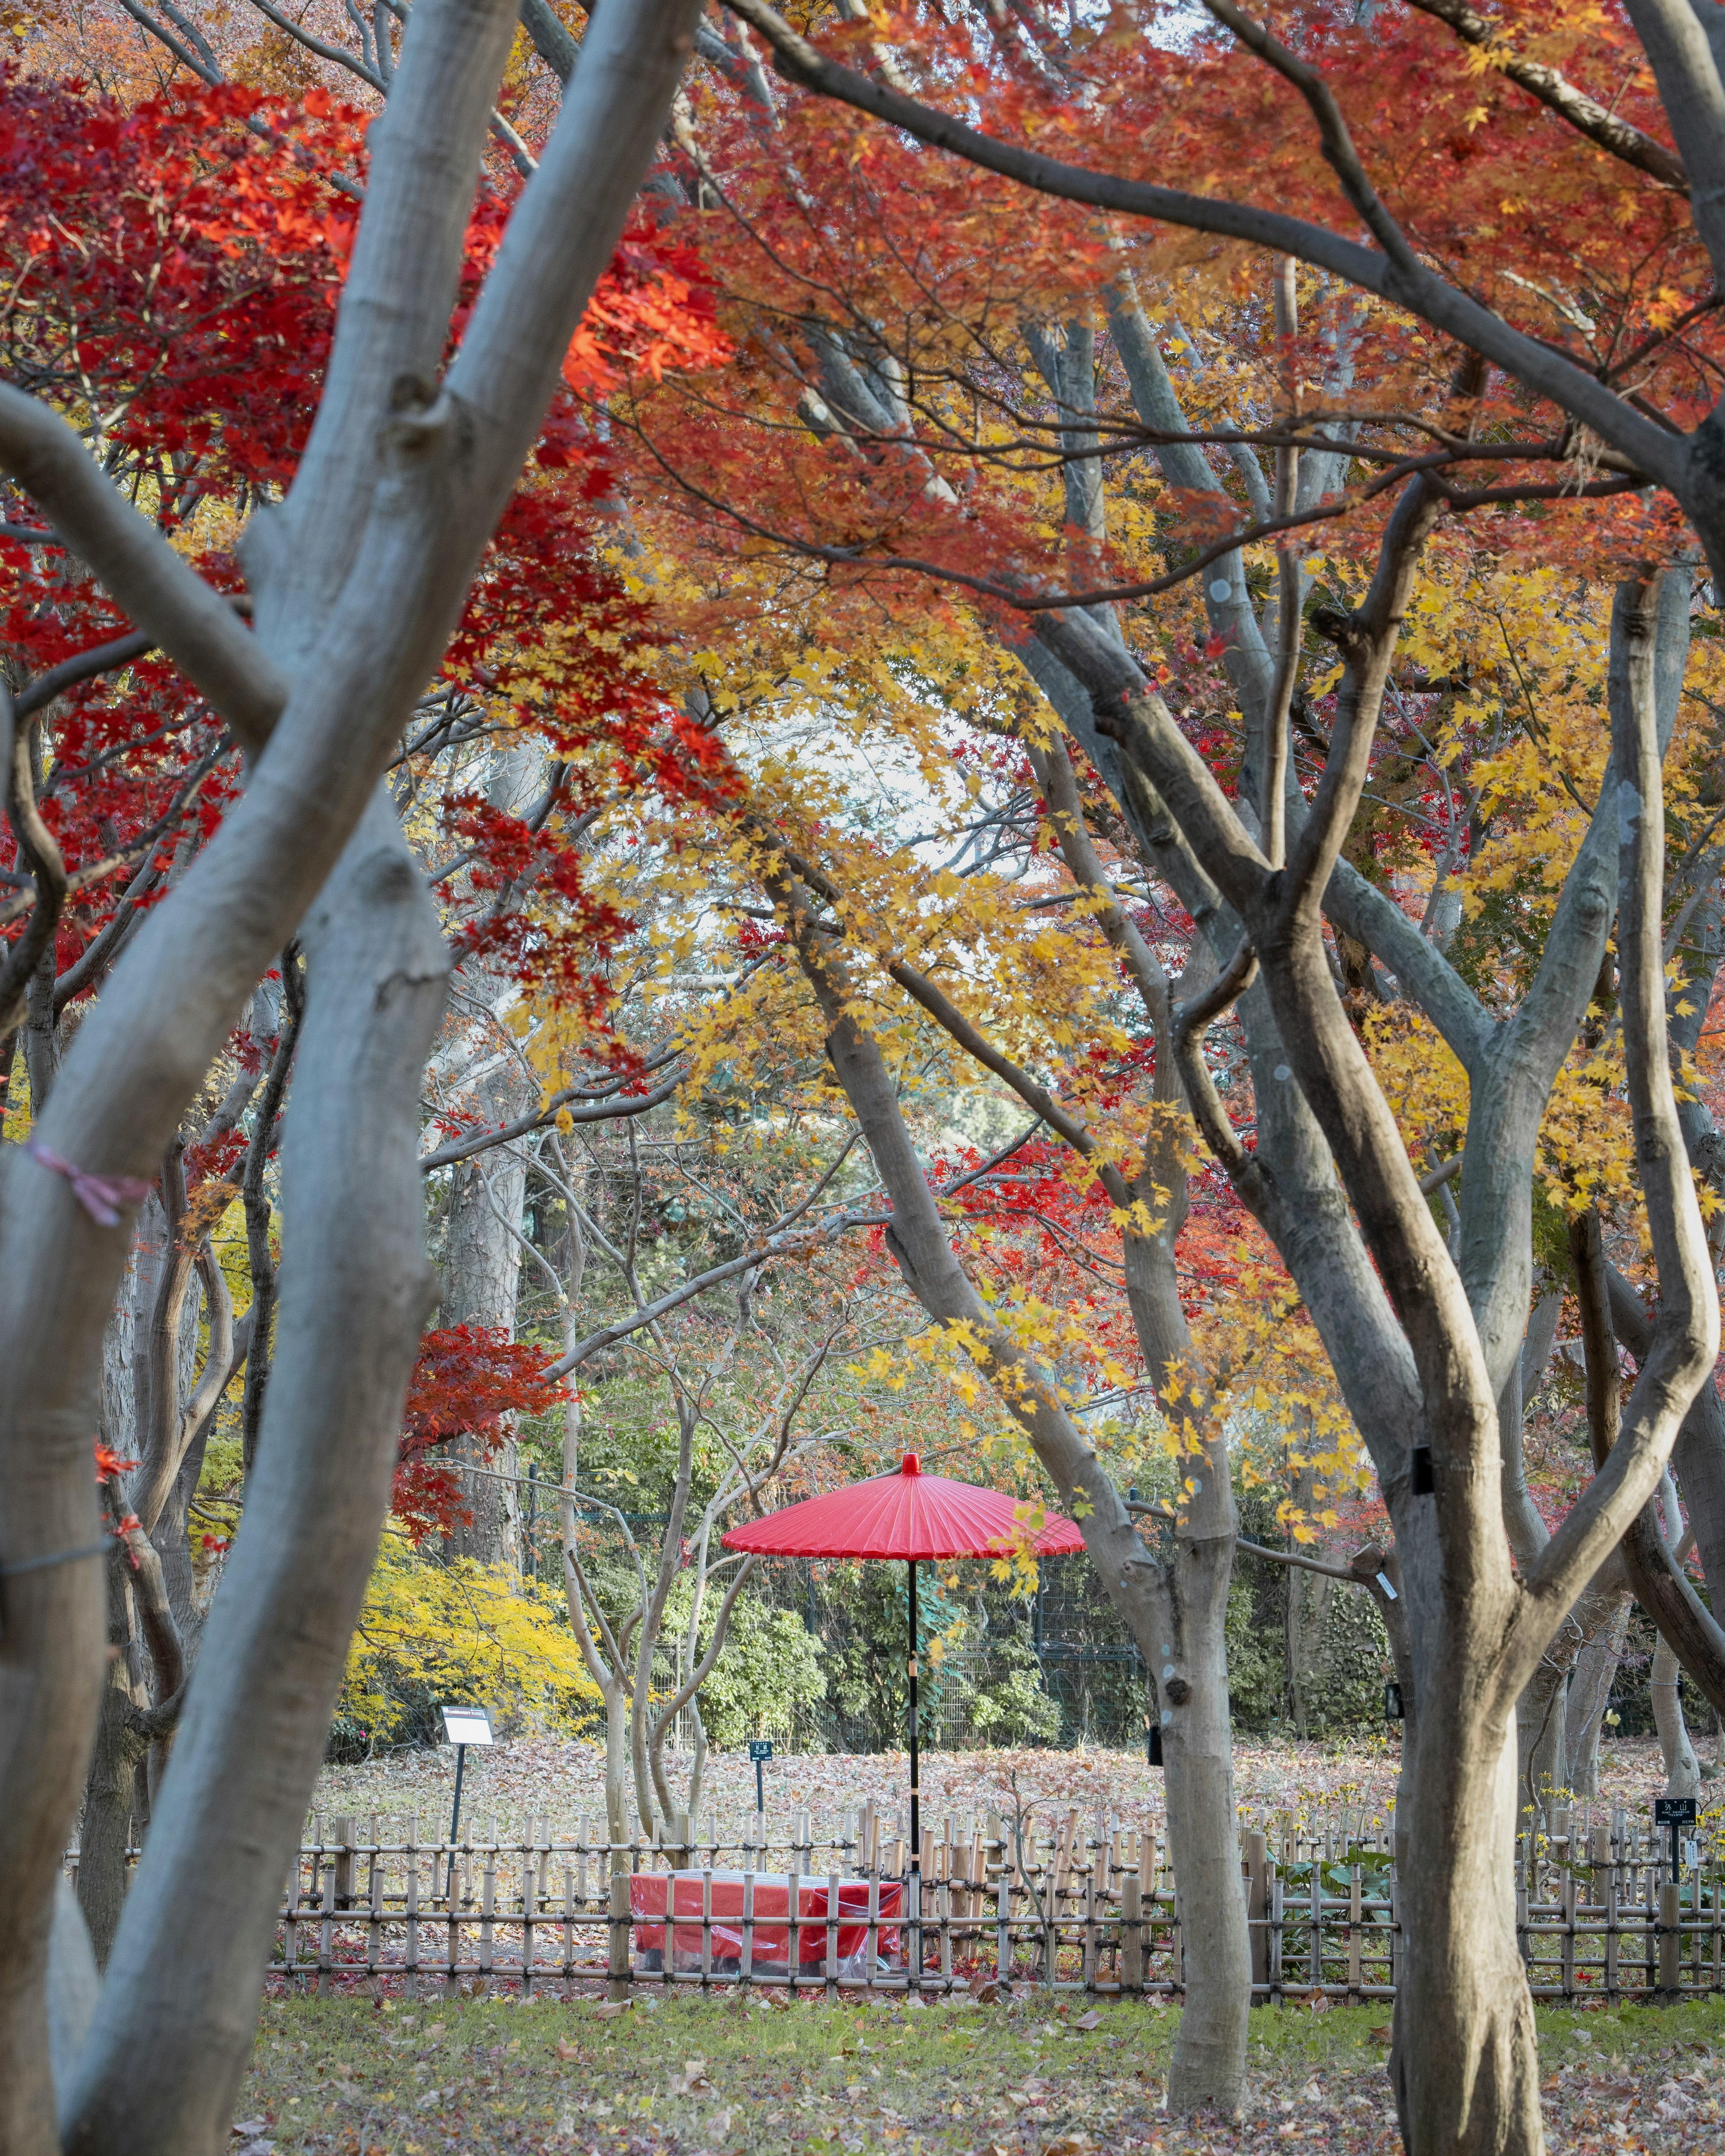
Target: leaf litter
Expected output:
[1027,2077]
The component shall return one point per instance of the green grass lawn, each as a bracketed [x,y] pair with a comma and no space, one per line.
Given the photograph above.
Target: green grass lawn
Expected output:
[691,2076]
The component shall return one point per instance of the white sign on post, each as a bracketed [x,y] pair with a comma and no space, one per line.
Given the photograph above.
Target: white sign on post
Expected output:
[466,1725]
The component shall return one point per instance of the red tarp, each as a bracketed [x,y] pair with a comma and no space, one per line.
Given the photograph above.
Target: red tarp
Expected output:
[646,1897]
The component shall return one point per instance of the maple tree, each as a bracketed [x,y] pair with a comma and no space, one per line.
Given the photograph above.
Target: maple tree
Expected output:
[1242,638]
[352,613]
[892,390]
[146,315]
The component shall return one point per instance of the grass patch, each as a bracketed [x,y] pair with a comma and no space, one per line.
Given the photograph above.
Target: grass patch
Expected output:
[722,2077]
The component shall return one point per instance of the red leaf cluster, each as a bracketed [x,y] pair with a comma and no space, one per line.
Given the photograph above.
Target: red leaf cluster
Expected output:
[469,1379]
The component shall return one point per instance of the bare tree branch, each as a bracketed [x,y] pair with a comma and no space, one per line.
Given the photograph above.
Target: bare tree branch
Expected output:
[157,588]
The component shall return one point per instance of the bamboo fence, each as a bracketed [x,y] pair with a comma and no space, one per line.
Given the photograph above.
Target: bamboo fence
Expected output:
[1077,1903]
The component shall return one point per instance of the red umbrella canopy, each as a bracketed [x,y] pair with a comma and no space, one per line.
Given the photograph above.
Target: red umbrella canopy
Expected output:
[906,1514]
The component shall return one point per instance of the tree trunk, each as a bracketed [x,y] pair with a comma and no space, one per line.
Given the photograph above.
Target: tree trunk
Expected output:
[1541,1761]
[482,1256]
[1683,1771]
[102,1832]
[1603,1614]
[481,1278]
[1207,2067]
[176,2031]
[1308,1601]
[1465,2059]
[42,1040]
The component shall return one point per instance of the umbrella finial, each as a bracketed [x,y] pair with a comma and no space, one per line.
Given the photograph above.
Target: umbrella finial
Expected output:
[912,1465]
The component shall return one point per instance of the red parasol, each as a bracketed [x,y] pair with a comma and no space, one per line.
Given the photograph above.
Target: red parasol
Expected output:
[908,1515]
[912,1516]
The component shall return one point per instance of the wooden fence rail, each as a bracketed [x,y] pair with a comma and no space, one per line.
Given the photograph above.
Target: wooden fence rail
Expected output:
[1079,1904]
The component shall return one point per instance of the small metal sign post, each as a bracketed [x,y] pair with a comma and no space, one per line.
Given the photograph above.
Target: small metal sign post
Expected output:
[462,1725]
[1676,1812]
[760,1748]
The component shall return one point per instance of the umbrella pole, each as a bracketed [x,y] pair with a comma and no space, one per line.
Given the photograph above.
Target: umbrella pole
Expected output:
[916,1803]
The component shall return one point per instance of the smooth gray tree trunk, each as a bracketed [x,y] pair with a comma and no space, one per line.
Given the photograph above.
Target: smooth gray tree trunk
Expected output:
[481,1281]
[1603,1614]
[159,2076]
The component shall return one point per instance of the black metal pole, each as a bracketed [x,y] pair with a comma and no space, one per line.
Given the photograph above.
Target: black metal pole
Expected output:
[455,1817]
[915,1800]
[533,1516]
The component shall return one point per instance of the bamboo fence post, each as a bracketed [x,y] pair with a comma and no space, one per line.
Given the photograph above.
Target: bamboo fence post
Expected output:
[326,1930]
[707,1927]
[871,1873]
[410,1950]
[529,1866]
[290,1929]
[1569,1898]
[374,1925]
[794,1908]
[1257,1869]
[1671,1973]
[488,1905]
[346,1828]
[1613,1971]
[1048,1876]
[1356,1931]
[1132,1926]
[673,1854]
[618,1912]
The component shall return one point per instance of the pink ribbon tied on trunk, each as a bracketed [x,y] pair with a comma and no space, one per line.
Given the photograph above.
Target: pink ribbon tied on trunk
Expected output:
[101,1196]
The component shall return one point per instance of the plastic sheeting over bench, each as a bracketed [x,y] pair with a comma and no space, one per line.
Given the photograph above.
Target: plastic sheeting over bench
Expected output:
[764,1929]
